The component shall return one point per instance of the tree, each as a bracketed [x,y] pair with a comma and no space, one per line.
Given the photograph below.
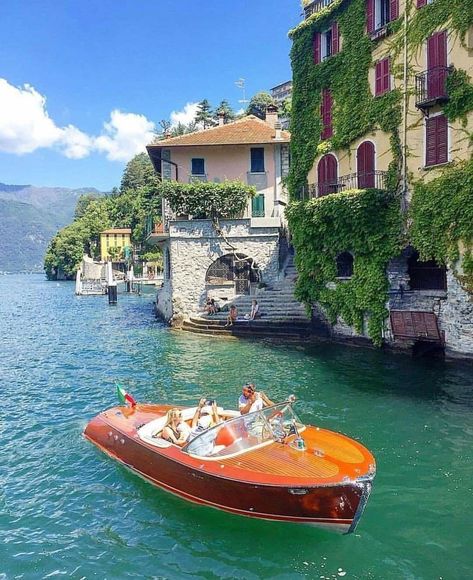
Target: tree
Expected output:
[225,109]
[286,108]
[83,202]
[204,115]
[259,103]
[139,172]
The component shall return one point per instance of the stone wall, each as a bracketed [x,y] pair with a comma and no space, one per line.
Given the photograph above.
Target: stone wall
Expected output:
[194,245]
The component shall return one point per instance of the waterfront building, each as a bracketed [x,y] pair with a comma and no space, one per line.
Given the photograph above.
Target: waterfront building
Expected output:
[382,99]
[114,243]
[280,94]
[201,259]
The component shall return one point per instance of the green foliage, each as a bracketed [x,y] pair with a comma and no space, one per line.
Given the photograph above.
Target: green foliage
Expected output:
[139,174]
[207,200]
[460,93]
[225,109]
[356,111]
[259,103]
[204,115]
[82,203]
[442,217]
[366,223]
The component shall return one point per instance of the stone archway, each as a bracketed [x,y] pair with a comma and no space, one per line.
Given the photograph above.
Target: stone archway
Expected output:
[233,268]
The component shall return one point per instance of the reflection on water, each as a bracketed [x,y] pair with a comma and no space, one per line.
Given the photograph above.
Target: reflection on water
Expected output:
[67,510]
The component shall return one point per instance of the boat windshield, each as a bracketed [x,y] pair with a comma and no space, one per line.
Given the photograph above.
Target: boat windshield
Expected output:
[246,432]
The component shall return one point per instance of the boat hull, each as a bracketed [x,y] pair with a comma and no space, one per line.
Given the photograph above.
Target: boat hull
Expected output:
[335,506]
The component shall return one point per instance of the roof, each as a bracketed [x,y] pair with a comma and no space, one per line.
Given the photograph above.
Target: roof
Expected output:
[117,231]
[247,131]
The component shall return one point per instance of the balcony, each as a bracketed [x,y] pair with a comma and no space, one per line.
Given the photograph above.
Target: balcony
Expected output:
[431,87]
[316,6]
[156,233]
[372,180]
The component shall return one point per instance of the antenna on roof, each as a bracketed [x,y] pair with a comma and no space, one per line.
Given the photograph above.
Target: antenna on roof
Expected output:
[240,83]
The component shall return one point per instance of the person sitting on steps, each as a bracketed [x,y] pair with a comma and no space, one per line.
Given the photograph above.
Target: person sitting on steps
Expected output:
[232,315]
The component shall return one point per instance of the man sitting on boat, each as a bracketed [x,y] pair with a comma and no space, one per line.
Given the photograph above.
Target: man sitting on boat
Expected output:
[251,400]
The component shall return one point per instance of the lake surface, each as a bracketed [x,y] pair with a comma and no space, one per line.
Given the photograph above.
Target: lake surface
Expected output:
[66,510]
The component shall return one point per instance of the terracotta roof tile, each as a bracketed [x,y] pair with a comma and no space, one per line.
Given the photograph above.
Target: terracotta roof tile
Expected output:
[117,231]
[247,131]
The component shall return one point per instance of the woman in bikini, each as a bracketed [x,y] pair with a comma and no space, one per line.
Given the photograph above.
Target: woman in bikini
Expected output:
[175,430]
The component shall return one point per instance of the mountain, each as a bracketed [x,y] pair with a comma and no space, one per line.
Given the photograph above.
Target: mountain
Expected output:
[29,218]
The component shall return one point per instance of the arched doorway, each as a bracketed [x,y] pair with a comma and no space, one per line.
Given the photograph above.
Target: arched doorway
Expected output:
[365,165]
[233,268]
[327,175]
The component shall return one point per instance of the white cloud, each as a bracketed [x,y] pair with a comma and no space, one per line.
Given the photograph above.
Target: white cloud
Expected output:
[126,134]
[26,126]
[185,116]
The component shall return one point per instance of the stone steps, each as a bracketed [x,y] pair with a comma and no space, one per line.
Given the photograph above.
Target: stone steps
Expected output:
[281,329]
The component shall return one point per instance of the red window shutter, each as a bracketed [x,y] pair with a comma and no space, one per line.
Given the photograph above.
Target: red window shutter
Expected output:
[316,47]
[326,114]
[430,141]
[327,175]
[335,38]
[421,3]
[365,165]
[370,24]
[393,9]
[436,64]
[442,139]
[386,83]
[378,79]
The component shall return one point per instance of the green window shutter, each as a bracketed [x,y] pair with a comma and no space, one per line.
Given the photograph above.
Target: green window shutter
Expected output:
[257,206]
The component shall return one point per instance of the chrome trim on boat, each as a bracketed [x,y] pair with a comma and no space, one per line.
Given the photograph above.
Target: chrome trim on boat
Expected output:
[366,485]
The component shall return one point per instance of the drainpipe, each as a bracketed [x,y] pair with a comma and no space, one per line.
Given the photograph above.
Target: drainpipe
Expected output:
[405,111]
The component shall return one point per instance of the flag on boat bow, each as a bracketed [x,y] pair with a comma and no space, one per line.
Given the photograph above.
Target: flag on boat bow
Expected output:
[125,397]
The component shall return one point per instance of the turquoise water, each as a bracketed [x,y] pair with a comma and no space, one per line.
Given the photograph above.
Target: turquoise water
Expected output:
[66,510]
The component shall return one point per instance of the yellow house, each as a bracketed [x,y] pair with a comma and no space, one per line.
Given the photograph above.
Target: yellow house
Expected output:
[113,243]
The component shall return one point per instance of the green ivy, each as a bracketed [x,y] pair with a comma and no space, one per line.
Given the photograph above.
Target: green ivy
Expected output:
[441,212]
[356,111]
[207,200]
[366,223]
[460,93]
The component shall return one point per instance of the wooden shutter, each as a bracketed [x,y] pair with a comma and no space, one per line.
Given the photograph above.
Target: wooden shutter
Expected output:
[335,38]
[436,136]
[365,165]
[436,65]
[393,9]
[316,43]
[421,3]
[370,23]
[326,114]
[382,77]
[327,175]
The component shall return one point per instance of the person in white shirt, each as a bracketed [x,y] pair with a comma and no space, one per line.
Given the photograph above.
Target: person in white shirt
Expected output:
[251,400]
[255,313]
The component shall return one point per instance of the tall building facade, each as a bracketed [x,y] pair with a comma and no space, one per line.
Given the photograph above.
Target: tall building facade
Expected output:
[383,101]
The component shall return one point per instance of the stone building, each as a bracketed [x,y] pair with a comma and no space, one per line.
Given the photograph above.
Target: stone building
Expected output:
[407,62]
[202,260]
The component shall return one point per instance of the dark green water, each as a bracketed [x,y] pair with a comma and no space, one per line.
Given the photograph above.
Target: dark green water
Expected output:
[66,510]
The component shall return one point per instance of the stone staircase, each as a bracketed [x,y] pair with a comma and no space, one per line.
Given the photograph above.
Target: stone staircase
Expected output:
[282,316]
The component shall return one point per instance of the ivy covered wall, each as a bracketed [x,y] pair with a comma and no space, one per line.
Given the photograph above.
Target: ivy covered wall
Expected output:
[369,223]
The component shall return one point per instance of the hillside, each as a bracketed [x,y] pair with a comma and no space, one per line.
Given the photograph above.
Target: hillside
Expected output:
[29,218]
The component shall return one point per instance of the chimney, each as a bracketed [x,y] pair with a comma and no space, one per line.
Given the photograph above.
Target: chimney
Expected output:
[167,134]
[271,115]
[221,119]
[278,129]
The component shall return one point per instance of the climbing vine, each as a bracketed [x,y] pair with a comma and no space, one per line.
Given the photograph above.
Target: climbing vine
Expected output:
[442,220]
[366,223]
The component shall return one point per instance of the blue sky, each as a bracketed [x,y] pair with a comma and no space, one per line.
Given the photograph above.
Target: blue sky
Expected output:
[83,81]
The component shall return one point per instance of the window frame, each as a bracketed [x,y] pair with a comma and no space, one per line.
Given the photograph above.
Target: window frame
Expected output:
[253,161]
[202,159]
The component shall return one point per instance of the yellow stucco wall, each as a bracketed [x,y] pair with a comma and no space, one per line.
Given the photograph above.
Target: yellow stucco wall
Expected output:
[113,240]
[460,146]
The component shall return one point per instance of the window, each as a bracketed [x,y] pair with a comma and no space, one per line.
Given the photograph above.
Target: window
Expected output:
[326,43]
[437,65]
[198,166]
[382,77]
[421,3]
[326,114]
[436,140]
[365,158]
[379,13]
[257,206]
[257,160]
[344,265]
[327,175]
[426,275]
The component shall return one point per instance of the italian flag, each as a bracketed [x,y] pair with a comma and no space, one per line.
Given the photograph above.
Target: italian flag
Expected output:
[125,397]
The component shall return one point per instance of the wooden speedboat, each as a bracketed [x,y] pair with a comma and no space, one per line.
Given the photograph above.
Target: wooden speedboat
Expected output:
[265,464]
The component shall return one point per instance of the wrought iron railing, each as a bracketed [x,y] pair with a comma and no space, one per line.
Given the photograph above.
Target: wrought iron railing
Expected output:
[431,86]
[316,6]
[373,179]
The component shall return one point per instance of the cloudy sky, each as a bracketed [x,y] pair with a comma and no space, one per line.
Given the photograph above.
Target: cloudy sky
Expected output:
[84,83]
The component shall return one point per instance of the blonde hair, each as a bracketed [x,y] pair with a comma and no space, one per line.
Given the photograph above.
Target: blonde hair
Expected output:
[171,415]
